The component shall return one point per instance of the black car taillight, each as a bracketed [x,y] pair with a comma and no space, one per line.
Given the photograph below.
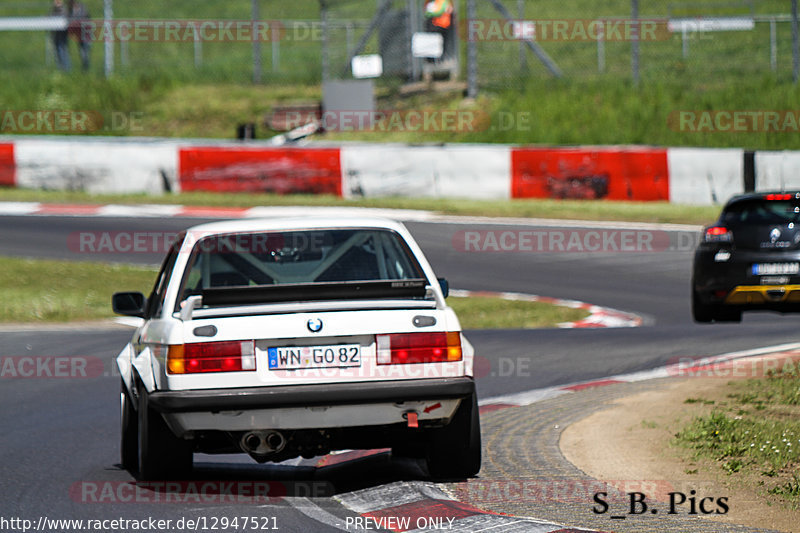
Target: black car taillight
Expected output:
[774,197]
[718,234]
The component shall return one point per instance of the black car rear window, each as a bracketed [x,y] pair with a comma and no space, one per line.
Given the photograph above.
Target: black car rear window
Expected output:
[762,211]
[299,259]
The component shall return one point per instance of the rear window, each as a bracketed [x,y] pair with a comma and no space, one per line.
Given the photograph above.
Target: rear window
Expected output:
[761,211]
[299,258]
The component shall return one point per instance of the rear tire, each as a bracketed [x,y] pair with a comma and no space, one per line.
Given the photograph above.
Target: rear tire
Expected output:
[701,312]
[705,313]
[129,434]
[162,455]
[455,452]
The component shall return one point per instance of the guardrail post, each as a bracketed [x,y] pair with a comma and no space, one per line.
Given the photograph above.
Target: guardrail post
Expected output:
[635,42]
[472,54]
[108,45]
[795,51]
[256,45]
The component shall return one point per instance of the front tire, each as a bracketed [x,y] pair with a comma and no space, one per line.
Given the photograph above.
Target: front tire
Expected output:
[455,452]
[162,455]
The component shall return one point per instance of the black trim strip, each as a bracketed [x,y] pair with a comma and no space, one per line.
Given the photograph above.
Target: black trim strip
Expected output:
[337,290]
[306,395]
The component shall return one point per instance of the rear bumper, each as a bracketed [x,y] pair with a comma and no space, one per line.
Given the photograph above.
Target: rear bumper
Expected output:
[764,295]
[315,406]
[732,282]
[311,395]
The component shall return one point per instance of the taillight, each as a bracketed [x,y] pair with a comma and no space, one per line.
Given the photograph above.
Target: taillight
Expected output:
[718,234]
[200,357]
[407,348]
[773,196]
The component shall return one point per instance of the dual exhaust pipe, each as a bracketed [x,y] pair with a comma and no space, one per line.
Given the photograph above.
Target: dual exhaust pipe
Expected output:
[262,442]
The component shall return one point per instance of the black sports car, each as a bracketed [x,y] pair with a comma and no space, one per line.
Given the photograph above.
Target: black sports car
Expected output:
[749,259]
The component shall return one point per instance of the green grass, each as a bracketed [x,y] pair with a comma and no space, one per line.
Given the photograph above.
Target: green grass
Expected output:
[60,291]
[755,435]
[172,97]
[44,291]
[495,313]
[602,112]
[660,212]
[558,112]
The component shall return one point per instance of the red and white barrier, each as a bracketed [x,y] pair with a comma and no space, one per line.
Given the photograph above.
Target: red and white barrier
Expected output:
[457,171]
[777,171]
[8,172]
[704,176]
[96,166]
[110,165]
[612,173]
[255,169]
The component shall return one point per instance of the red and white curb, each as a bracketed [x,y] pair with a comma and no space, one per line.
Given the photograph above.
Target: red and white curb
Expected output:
[422,506]
[599,317]
[712,366]
[183,211]
[186,211]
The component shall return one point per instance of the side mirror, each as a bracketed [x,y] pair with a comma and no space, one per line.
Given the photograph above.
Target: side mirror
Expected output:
[129,303]
[445,287]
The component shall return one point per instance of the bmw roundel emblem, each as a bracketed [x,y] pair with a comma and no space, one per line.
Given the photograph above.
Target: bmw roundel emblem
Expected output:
[314,325]
[775,234]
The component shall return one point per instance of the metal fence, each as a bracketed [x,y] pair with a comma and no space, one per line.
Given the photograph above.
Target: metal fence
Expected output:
[694,42]
[496,43]
[235,40]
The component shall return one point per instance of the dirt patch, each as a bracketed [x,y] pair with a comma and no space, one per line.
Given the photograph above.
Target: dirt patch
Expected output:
[631,441]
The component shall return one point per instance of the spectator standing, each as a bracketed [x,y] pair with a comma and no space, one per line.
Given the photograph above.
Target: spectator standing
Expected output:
[78,13]
[439,13]
[439,19]
[75,12]
[60,38]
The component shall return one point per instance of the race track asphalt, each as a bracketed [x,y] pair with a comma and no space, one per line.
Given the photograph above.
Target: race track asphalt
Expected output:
[57,435]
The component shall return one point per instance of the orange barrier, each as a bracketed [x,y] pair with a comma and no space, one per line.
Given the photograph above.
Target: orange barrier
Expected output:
[590,173]
[274,170]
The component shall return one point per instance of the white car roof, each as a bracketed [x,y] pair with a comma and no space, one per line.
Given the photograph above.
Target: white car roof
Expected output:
[296,223]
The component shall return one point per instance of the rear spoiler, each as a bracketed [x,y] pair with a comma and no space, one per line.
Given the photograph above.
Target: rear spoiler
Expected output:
[328,296]
[299,307]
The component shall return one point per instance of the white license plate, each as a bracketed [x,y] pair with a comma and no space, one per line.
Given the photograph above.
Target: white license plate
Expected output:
[775,269]
[333,356]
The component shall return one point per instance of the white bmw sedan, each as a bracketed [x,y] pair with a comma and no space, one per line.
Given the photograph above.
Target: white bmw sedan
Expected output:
[296,337]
